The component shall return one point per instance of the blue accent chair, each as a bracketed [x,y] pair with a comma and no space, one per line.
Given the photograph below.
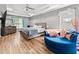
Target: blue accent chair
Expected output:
[60,45]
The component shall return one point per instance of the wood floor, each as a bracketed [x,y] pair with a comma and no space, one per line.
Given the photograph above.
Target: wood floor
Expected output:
[16,44]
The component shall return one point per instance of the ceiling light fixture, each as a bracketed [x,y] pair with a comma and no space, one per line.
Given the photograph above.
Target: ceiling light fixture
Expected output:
[28,7]
[9,9]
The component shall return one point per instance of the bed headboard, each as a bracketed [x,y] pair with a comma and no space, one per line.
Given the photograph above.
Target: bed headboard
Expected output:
[44,25]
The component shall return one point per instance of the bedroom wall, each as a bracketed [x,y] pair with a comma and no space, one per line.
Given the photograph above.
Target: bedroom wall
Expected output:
[53,18]
[49,18]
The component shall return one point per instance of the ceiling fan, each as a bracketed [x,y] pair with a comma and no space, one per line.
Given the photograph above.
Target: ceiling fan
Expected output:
[29,8]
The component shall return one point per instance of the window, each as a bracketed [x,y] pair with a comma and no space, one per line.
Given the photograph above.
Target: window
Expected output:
[65,18]
[17,21]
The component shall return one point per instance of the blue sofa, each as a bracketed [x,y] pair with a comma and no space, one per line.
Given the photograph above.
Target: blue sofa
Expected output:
[60,45]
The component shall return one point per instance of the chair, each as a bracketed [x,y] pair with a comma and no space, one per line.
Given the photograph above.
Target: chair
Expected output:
[60,45]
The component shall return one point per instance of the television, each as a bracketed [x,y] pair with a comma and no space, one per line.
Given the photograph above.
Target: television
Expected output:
[3,21]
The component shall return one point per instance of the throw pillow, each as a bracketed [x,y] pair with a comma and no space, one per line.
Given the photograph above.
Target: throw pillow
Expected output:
[62,33]
[68,36]
[52,33]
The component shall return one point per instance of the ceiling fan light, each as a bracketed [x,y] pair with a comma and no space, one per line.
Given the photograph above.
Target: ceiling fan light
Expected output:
[9,9]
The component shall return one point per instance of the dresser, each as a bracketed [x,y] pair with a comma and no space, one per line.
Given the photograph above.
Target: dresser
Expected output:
[9,30]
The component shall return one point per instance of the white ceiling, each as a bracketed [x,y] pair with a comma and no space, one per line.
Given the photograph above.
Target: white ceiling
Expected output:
[20,9]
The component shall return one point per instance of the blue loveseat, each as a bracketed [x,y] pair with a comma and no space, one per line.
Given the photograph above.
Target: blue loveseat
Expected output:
[60,45]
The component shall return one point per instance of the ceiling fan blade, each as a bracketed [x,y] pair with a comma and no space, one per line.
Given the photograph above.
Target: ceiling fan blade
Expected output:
[28,7]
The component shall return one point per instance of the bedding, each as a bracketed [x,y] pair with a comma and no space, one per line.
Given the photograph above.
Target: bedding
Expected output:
[39,28]
[29,31]
[33,31]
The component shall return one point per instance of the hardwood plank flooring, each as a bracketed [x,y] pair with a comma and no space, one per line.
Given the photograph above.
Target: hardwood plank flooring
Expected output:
[16,44]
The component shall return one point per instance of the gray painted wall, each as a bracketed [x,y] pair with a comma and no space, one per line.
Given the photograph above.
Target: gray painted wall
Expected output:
[53,18]
[49,18]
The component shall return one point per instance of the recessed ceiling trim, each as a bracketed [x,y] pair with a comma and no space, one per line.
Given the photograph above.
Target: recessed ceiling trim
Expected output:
[18,9]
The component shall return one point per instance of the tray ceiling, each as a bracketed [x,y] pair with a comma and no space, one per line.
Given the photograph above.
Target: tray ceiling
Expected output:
[20,9]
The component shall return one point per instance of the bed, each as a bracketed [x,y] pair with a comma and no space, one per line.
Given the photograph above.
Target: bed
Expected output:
[34,31]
